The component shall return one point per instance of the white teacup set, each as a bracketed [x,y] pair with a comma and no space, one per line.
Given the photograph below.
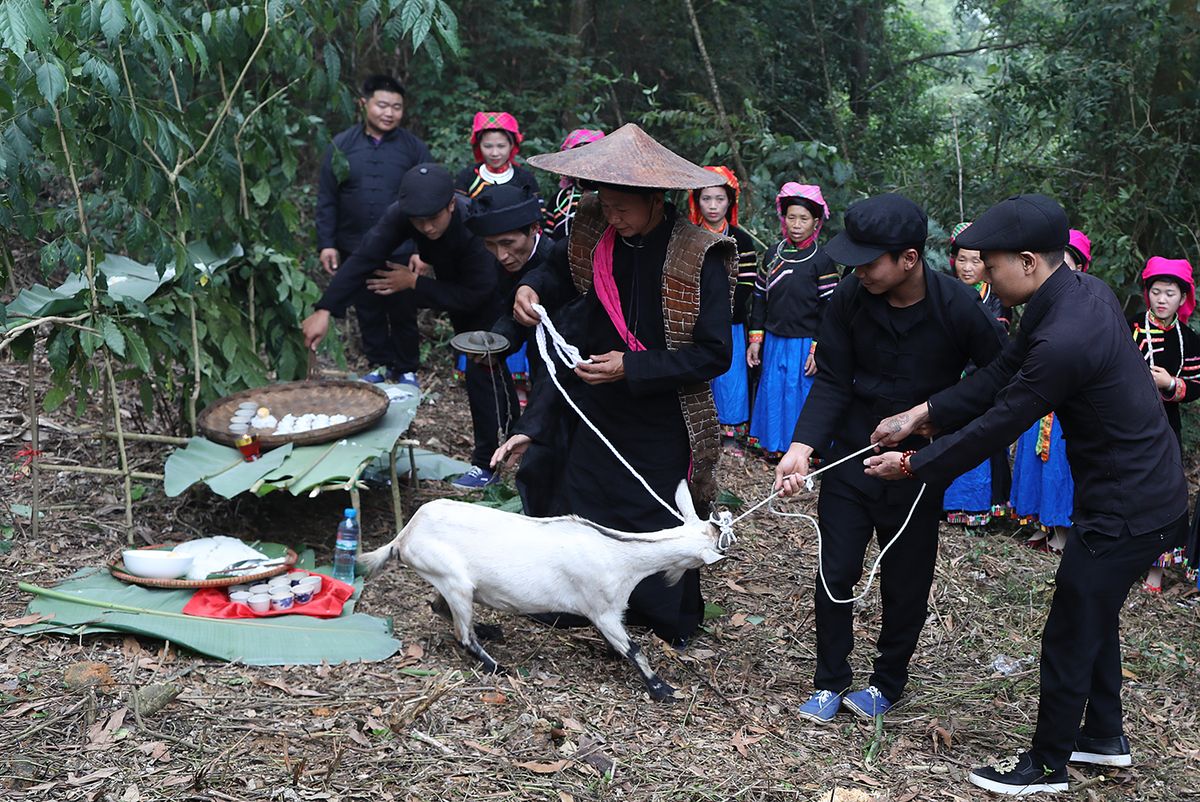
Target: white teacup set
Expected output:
[278,593]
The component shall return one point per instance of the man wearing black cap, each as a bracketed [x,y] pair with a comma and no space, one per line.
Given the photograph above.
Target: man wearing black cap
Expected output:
[1073,355]
[508,218]
[463,284]
[895,331]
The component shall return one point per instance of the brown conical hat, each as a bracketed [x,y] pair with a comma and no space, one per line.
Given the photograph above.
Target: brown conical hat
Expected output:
[628,157]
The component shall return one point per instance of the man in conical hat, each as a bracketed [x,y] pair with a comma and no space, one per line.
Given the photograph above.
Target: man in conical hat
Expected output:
[644,294]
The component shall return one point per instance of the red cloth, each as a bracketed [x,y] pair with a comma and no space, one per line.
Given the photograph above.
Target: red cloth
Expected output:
[215,603]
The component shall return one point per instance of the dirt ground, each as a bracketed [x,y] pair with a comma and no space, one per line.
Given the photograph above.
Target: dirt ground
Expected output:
[569,723]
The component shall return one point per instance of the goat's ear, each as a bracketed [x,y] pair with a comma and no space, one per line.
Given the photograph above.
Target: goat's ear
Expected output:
[683,502]
[711,555]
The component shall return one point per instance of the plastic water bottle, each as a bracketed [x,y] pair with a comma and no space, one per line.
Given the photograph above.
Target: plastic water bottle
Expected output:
[345,551]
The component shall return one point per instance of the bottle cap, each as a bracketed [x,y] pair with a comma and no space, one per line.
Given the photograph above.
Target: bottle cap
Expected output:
[244,440]
[350,512]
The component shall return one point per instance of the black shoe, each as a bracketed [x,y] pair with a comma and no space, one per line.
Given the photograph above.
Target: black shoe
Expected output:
[1019,776]
[1102,751]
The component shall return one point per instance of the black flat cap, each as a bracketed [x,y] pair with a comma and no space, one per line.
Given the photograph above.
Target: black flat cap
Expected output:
[425,190]
[1021,223]
[503,208]
[875,226]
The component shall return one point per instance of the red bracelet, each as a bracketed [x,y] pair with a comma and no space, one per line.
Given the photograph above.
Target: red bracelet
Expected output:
[905,468]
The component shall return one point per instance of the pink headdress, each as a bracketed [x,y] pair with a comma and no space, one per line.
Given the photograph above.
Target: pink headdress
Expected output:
[810,192]
[580,136]
[1082,246]
[1178,269]
[495,121]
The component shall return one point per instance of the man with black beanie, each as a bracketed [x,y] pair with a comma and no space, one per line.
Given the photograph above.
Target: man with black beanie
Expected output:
[1072,355]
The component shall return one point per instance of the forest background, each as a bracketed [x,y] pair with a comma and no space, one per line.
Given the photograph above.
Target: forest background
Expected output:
[184,138]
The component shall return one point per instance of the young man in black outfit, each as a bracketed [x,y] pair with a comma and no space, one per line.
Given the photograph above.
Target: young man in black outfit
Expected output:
[1073,355]
[374,154]
[895,331]
[463,283]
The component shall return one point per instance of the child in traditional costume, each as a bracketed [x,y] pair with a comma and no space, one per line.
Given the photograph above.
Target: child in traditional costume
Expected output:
[1172,350]
[496,141]
[982,492]
[791,292]
[716,209]
[1043,491]
[560,214]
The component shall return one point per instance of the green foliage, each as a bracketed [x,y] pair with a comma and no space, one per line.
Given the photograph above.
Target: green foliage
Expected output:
[138,128]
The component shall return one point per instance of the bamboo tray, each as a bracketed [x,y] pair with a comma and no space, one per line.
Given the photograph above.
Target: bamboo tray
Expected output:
[117,568]
[365,402]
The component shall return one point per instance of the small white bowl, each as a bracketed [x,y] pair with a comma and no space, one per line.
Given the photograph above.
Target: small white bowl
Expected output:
[260,588]
[313,581]
[282,600]
[240,597]
[259,602]
[156,563]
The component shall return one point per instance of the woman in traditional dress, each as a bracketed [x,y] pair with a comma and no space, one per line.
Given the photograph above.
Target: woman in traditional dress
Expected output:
[1043,491]
[562,211]
[791,292]
[982,492]
[1172,350]
[716,209]
[496,141]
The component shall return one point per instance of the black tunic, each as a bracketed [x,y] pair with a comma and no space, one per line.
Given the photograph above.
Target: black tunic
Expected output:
[464,282]
[792,289]
[470,183]
[747,273]
[1072,354]
[640,414]
[869,369]
[1183,364]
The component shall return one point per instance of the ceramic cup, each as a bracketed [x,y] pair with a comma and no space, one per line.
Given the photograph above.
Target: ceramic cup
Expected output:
[259,602]
[282,600]
[294,577]
[261,587]
[239,428]
[303,593]
[314,580]
[235,588]
[240,597]
[279,583]
[248,406]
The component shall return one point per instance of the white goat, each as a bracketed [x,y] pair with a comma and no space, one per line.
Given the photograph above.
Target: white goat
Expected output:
[527,565]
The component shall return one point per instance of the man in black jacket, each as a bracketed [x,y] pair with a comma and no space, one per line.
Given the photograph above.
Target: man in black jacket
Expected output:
[1073,355]
[895,330]
[371,157]
[463,284]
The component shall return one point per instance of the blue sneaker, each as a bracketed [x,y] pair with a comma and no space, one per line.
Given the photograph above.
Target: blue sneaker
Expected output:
[409,378]
[376,376]
[475,479]
[868,702]
[821,707]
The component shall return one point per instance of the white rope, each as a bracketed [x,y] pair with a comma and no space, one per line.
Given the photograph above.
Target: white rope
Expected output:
[808,484]
[571,357]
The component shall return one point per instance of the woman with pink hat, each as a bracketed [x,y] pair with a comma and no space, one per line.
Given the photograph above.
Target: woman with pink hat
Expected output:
[495,140]
[560,214]
[1172,350]
[793,287]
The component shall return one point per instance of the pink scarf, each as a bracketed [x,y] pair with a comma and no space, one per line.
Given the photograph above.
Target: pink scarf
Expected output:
[606,288]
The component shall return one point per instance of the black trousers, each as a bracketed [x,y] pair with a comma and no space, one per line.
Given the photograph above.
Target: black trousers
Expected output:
[1081,647]
[389,330]
[848,520]
[492,399]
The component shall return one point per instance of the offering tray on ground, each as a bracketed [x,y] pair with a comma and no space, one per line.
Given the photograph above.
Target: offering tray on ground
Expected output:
[362,401]
[117,568]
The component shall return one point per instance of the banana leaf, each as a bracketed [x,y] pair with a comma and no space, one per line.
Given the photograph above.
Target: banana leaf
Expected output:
[221,467]
[93,601]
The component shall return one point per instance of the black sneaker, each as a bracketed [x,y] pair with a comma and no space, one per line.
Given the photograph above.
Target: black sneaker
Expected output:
[1102,751]
[1019,776]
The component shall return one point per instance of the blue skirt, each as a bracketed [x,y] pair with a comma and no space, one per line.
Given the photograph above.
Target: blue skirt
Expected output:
[971,492]
[518,364]
[1042,491]
[731,390]
[782,390]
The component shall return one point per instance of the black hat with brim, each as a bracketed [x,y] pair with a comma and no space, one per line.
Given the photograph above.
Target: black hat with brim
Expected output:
[1032,223]
[875,226]
[425,190]
[503,208]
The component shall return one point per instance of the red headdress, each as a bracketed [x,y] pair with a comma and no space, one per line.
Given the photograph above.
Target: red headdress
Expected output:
[495,121]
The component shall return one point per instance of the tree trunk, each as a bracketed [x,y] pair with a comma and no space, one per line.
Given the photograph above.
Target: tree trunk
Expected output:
[582,28]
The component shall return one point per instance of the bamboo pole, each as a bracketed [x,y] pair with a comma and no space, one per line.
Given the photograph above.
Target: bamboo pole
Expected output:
[101,471]
[716,93]
[35,479]
[121,452]
[392,475]
[195,366]
[150,438]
